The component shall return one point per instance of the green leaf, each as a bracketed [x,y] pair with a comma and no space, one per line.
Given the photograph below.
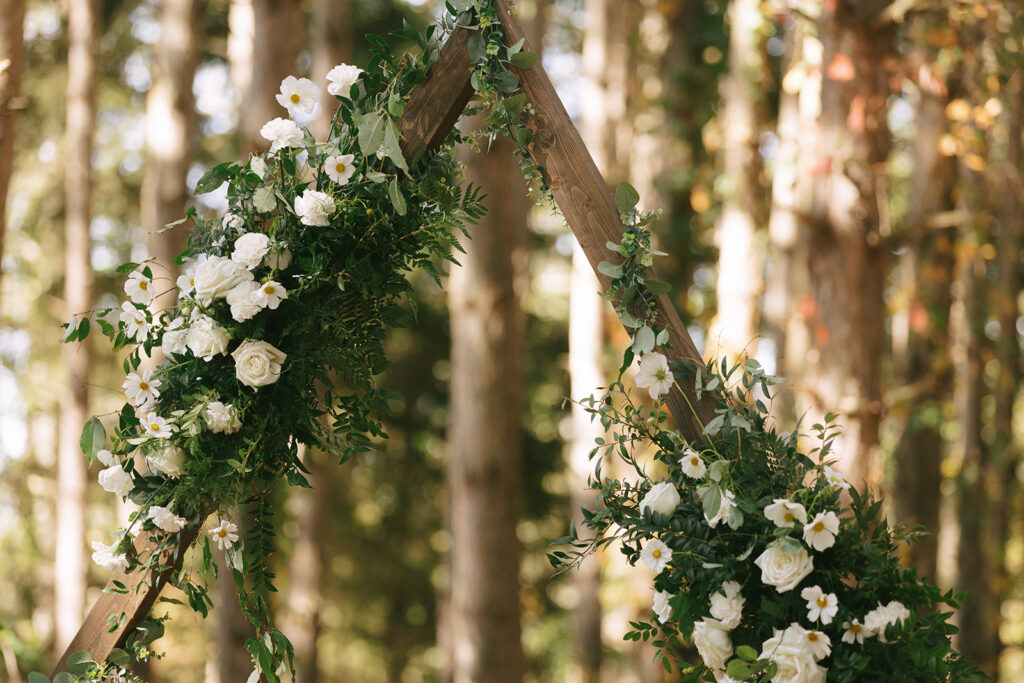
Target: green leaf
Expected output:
[626,196]
[739,669]
[513,49]
[643,340]
[63,677]
[83,329]
[394,150]
[214,178]
[79,662]
[524,60]
[524,136]
[477,47]
[507,82]
[370,128]
[119,657]
[610,269]
[263,199]
[72,333]
[657,287]
[36,677]
[716,470]
[93,438]
[376,177]
[712,500]
[516,103]
[396,105]
[397,198]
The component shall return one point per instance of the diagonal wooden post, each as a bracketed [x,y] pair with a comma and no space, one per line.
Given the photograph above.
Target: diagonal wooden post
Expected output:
[588,207]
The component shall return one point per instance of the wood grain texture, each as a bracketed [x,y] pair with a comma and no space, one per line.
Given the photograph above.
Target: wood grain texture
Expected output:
[589,208]
[94,636]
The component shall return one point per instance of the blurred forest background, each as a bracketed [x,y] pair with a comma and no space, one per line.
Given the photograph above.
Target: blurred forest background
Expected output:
[842,200]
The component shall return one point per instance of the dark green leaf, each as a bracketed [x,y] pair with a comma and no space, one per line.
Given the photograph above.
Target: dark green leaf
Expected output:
[72,332]
[657,287]
[36,677]
[507,82]
[394,150]
[477,47]
[397,198]
[93,438]
[626,196]
[524,60]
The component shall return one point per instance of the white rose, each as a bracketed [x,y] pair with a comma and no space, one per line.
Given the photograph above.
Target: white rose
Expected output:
[727,605]
[222,418]
[257,363]
[790,651]
[116,480]
[314,208]
[241,301]
[169,460]
[341,78]
[215,277]
[166,520]
[282,133]
[206,338]
[104,556]
[782,569]
[712,642]
[662,498]
[175,339]
[661,605]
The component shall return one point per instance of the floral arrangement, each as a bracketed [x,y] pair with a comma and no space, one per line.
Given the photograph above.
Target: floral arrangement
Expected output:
[763,557]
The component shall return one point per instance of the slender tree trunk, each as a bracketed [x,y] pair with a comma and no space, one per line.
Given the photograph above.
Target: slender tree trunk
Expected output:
[740,282]
[70,562]
[332,45]
[484,439]
[846,260]
[12,62]
[233,662]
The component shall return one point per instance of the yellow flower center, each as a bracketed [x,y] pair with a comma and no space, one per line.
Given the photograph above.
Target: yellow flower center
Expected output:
[340,167]
[855,628]
[154,427]
[269,289]
[818,526]
[823,601]
[694,461]
[656,554]
[144,386]
[812,636]
[789,516]
[143,285]
[222,533]
[139,321]
[295,98]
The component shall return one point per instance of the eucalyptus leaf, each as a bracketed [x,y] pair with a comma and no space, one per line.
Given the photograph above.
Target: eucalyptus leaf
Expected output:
[626,197]
[643,340]
[263,199]
[397,198]
[376,177]
[79,662]
[370,132]
[516,47]
[657,287]
[524,60]
[610,269]
[507,82]
[477,47]
[36,677]
[394,149]
[716,470]
[711,501]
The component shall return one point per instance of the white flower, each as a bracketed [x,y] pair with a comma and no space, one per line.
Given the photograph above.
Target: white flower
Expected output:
[790,651]
[821,532]
[300,96]
[141,390]
[692,464]
[206,338]
[175,339]
[257,363]
[279,258]
[215,277]
[107,458]
[661,605]
[241,301]
[712,642]
[222,418]
[232,221]
[269,295]
[340,168]
[304,173]
[139,288]
[727,605]
[104,556]
[341,78]
[785,513]
[314,208]
[165,520]
[820,605]
[834,478]
[187,280]
[725,507]
[282,133]
[853,631]
[655,555]
[224,534]
[169,460]
[782,569]
[662,498]
[135,324]
[878,619]
[156,426]
[818,644]
[654,375]
[258,166]
[116,480]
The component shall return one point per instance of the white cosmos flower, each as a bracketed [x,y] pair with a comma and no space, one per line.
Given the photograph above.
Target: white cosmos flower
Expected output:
[340,168]
[222,418]
[853,631]
[232,221]
[341,78]
[692,464]
[139,288]
[785,513]
[116,480]
[727,605]
[655,555]
[654,375]
[314,208]
[821,606]
[818,644]
[156,426]
[726,506]
[300,96]
[104,556]
[141,390]
[224,534]
[187,280]
[269,295]
[661,605]
[662,498]
[282,133]
[166,520]
[834,478]
[240,300]
[878,619]
[135,324]
[821,532]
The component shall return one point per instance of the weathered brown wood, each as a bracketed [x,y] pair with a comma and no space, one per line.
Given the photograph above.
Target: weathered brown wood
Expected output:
[94,636]
[589,209]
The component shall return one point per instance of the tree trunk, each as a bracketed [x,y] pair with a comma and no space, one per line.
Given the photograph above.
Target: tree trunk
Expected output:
[735,328]
[332,45]
[12,57]
[846,261]
[484,438]
[71,567]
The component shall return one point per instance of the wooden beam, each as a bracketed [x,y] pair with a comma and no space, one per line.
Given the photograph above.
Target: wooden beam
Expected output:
[95,636]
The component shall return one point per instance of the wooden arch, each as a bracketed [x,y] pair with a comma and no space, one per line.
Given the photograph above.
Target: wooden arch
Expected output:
[581,194]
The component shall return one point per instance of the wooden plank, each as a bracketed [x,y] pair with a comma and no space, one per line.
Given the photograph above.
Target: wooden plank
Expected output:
[94,636]
[589,208]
